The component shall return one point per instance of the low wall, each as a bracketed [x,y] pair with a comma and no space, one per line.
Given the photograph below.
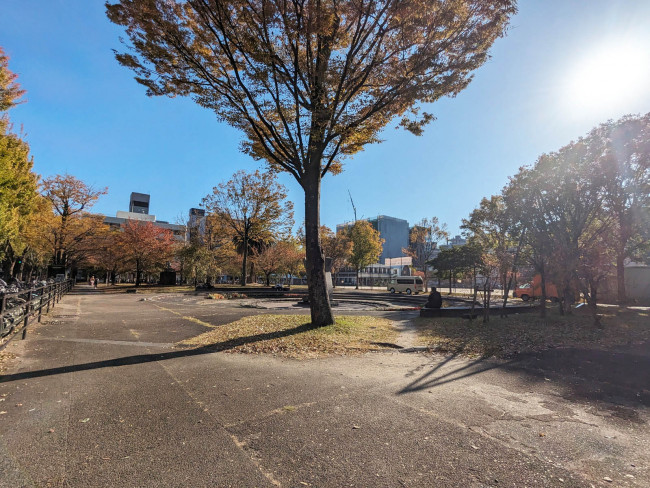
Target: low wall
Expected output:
[478,311]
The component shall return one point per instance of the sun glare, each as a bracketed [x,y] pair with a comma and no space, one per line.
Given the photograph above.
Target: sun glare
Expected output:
[610,78]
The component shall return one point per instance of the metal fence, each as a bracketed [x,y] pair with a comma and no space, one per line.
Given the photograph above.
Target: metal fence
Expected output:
[19,309]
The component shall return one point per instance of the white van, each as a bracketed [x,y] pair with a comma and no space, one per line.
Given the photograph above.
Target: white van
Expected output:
[407,284]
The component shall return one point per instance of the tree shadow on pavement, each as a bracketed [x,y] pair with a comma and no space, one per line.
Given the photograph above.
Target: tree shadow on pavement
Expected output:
[153,357]
[621,376]
[436,377]
[616,377]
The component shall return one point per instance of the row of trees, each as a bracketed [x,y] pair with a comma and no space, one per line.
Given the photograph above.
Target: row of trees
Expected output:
[61,236]
[46,226]
[18,184]
[249,223]
[137,247]
[574,217]
[40,221]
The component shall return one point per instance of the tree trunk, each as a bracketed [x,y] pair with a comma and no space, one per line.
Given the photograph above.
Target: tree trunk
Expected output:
[591,294]
[567,297]
[542,306]
[485,319]
[508,286]
[620,276]
[137,272]
[9,262]
[357,280]
[319,304]
[242,281]
[506,290]
[12,267]
[486,301]
[471,314]
[489,298]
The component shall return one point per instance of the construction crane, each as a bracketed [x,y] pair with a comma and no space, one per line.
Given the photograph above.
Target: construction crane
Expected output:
[354,209]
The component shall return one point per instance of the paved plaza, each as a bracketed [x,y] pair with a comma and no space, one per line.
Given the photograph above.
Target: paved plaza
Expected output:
[99,395]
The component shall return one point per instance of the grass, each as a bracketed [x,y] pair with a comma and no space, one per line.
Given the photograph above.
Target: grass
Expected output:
[350,335]
[507,336]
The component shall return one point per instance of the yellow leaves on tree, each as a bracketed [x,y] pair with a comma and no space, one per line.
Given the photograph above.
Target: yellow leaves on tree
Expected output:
[367,245]
[71,229]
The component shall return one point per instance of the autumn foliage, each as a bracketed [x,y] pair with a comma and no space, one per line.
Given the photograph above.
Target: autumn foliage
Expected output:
[309,83]
[145,246]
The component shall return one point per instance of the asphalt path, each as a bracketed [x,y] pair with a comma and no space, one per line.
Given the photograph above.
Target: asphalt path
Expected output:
[99,396]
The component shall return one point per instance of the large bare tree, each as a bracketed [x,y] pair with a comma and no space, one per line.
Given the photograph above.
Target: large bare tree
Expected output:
[310,81]
[251,208]
[423,242]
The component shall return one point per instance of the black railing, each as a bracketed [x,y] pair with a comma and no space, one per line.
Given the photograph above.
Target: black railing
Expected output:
[19,309]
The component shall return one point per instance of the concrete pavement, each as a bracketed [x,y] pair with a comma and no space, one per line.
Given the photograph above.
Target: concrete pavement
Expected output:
[99,396]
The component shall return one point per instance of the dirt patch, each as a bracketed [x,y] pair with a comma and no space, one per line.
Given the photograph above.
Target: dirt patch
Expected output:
[626,413]
[292,336]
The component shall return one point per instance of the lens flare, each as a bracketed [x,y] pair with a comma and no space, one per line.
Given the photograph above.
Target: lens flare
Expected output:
[610,78]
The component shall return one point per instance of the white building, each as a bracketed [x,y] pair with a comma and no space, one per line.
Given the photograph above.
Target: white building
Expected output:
[139,210]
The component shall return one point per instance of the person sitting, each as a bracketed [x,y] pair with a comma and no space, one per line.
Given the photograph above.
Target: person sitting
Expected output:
[435,299]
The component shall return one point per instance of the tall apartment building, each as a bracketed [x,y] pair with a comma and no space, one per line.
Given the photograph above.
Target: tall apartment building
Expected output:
[196,224]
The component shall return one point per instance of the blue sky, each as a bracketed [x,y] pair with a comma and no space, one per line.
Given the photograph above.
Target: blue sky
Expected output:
[564,67]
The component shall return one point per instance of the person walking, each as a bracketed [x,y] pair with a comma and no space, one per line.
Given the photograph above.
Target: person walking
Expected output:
[95,280]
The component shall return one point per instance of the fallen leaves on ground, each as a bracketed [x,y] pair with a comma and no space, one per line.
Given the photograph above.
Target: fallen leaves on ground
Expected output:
[5,357]
[506,336]
[292,336]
